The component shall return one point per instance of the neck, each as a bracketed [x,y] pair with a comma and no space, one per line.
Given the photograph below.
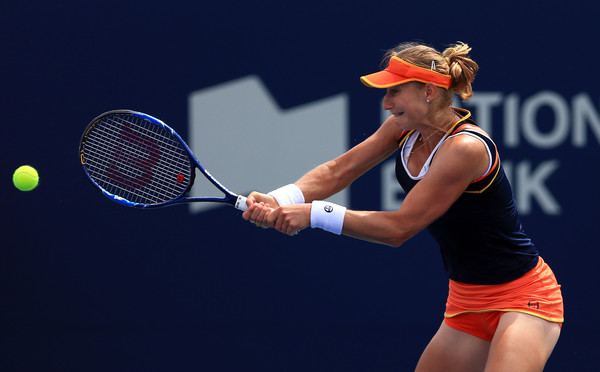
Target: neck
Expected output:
[439,124]
[433,133]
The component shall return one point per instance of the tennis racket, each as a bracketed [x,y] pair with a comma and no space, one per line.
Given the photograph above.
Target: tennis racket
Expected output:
[139,161]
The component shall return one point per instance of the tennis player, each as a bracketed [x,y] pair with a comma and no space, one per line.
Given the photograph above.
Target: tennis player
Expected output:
[504,310]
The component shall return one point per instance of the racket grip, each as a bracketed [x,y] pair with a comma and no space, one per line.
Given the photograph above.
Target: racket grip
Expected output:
[240,203]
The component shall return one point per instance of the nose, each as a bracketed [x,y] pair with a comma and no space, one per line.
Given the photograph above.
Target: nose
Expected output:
[387,103]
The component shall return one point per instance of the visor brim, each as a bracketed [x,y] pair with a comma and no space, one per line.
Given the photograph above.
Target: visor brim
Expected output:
[383,79]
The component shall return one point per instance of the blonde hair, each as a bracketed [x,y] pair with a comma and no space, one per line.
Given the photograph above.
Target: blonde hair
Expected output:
[454,61]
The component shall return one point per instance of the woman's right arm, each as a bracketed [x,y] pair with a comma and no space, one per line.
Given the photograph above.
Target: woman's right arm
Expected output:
[335,175]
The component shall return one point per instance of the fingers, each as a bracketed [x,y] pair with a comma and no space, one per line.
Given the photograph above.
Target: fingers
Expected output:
[284,225]
[292,219]
[252,201]
[262,215]
[258,213]
[257,197]
[288,220]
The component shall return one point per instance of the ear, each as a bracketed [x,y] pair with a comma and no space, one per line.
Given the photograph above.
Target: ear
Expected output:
[431,91]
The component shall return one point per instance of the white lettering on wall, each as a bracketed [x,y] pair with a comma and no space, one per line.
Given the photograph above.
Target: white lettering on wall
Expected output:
[572,123]
[531,184]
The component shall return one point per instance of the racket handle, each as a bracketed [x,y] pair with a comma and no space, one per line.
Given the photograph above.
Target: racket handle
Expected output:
[240,203]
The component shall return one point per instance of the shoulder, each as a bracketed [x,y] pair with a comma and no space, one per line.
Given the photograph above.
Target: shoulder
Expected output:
[466,139]
[464,144]
[463,155]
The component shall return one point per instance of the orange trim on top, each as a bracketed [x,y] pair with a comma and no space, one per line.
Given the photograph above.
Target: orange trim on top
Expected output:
[495,166]
[491,169]
[403,136]
[486,186]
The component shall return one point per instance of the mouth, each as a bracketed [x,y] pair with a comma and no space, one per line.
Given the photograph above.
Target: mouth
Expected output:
[398,114]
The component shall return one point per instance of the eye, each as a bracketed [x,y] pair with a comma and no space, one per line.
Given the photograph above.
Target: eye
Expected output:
[393,91]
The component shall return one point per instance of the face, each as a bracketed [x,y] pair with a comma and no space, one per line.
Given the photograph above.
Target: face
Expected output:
[407,102]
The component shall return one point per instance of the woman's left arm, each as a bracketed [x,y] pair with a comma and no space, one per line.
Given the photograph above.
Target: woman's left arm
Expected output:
[458,162]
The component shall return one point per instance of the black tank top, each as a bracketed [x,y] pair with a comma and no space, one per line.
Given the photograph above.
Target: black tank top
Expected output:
[481,237]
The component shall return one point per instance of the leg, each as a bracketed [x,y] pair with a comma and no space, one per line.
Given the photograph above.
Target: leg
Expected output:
[522,343]
[452,350]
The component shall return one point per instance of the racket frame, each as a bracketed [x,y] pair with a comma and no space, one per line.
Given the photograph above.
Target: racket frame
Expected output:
[231,198]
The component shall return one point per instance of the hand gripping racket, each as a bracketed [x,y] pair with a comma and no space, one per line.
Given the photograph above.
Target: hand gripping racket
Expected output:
[139,161]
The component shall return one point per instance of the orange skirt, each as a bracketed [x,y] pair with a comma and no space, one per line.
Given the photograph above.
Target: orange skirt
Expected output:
[536,293]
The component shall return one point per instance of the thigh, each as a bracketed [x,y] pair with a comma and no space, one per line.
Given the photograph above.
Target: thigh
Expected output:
[522,342]
[453,350]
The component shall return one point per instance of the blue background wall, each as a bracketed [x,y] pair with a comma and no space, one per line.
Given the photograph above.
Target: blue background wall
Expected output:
[88,285]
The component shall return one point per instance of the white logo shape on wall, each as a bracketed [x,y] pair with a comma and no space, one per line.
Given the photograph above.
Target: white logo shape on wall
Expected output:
[241,135]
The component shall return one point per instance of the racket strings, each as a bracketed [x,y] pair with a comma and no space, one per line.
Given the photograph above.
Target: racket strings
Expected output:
[132,172]
[137,160]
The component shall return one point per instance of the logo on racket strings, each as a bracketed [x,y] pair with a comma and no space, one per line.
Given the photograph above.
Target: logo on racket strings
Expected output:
[133,159]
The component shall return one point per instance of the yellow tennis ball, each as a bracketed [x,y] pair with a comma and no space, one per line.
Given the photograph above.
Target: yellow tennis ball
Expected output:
[26,178]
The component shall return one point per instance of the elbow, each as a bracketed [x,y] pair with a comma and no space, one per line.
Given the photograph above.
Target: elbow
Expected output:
[397,231]
[396,241]
[386,228]
[398,237]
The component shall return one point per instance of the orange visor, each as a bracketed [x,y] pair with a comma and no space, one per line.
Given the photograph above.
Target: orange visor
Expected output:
[399,72]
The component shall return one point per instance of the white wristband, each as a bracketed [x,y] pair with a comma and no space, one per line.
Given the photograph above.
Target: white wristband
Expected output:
[288,194]
[327,216]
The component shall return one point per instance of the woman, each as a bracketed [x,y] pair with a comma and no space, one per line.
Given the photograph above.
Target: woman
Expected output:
[504,310]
